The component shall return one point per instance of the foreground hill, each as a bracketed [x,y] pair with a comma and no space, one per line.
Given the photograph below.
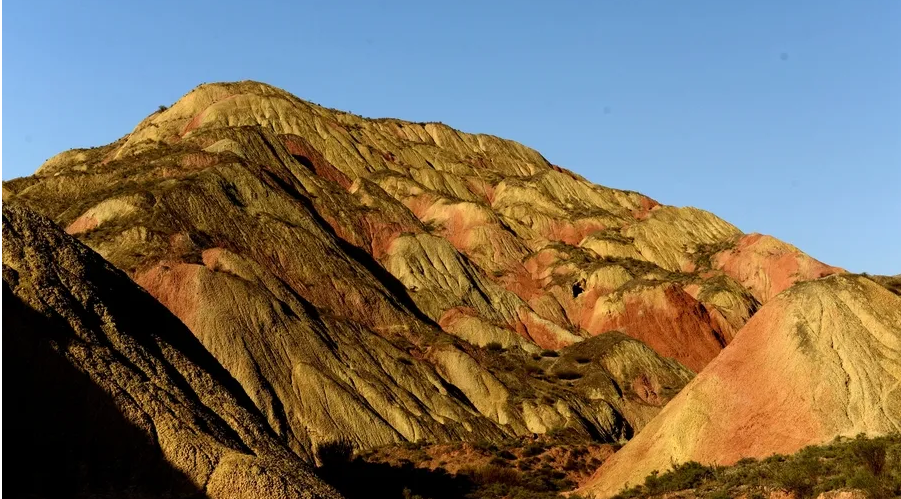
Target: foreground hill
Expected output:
[822,359]
[107,393]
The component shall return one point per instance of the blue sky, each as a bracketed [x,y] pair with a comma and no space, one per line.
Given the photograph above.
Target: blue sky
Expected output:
[781,117]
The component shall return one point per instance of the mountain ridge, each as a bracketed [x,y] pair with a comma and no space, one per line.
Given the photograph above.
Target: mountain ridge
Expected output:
[382,281]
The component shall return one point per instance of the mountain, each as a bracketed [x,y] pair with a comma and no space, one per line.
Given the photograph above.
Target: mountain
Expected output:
[107,393]
[820,360]
[376,281]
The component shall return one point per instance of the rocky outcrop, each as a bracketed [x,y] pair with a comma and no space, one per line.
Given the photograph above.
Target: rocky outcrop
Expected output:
[110,394]
[768,266]
[820,360]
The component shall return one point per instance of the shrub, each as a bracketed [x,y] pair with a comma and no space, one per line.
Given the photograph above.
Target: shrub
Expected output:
[484,445]
[433,226]
[491,474]
[494,347]
[334,454]
[162,108]
[549,353]
[864,480]
[572,464]
[581,359]
[532,450]
[568,374]
[408,494]
[841,464]
[684,476]
[871,453]
[799,477]
[533,369]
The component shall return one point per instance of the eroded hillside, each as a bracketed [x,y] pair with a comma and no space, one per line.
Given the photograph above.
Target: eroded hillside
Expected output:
[109,394]
[382,281]
[820,360]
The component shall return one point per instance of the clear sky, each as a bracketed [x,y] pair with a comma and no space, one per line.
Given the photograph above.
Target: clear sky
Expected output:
[781,117]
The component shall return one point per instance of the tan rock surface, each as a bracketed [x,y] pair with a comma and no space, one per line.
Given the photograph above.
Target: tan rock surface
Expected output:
[334,264]
[820,360]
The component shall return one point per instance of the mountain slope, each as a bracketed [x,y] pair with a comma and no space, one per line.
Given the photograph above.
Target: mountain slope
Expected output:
[820,360]
[351,273]
[111,394]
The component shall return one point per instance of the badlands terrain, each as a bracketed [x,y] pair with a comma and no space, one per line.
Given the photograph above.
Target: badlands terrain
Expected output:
[250,295]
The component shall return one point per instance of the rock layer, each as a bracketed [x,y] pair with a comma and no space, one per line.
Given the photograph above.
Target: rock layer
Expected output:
[352,274]
[820,360]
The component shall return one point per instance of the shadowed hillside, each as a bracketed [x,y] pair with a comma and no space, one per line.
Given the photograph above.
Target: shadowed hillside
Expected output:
[108,394]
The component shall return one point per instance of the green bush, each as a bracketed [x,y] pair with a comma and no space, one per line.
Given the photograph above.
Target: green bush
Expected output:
[799,477]
[871,465]
[685,476]
[862,479]
[871,453]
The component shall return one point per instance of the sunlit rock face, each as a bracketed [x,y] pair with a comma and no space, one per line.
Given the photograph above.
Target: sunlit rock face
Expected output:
[820,360]
[382,281]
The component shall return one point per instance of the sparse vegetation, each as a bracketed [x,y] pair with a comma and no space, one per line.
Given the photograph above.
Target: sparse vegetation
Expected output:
[494,347]
[550,353]
[521,468]
[162,108]
[891,283]
[334,454]
[872,465]
[533,369]
[432,226]
[568,374]
[704,253]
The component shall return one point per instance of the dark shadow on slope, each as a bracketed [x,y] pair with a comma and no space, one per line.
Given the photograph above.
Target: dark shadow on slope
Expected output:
[360,479]
[65,435]
[395,288]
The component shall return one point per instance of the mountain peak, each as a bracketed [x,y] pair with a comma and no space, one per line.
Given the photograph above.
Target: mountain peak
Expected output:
[372,282]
